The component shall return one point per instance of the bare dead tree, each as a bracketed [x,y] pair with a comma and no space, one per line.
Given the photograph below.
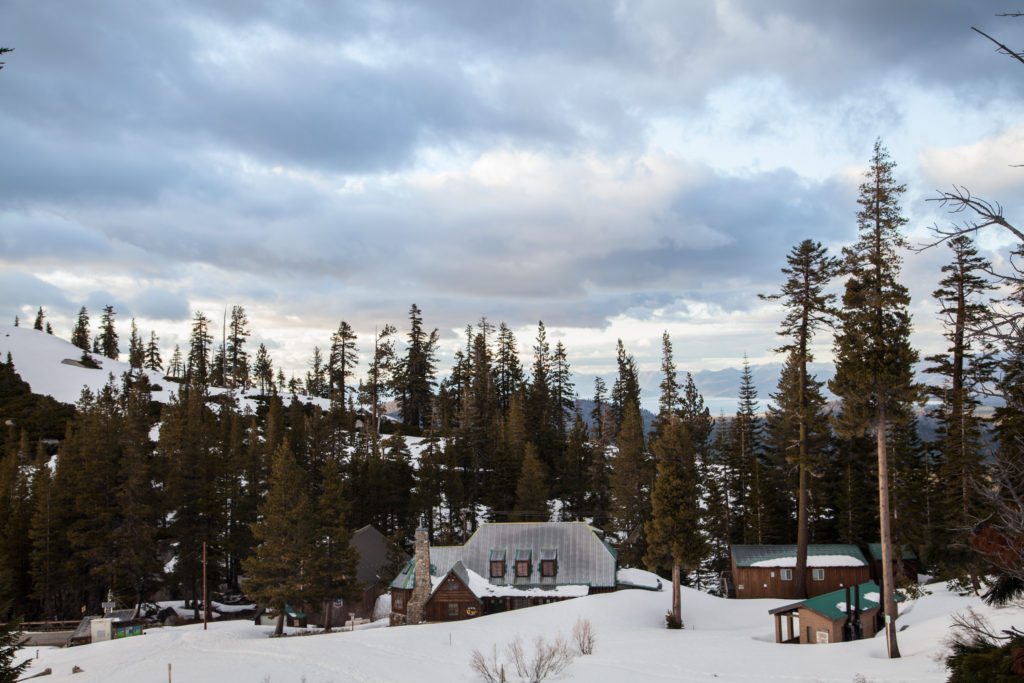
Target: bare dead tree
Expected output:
[1002,49]
[583,634]
[982,214]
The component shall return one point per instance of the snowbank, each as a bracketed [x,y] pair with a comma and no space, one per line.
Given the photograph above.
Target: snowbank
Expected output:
[812,561]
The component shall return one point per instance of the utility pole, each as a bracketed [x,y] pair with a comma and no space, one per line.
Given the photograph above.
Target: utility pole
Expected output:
[206,604]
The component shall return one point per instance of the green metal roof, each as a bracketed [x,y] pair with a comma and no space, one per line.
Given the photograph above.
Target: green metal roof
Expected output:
[829,604]
[876,551]
[406,578]
[749,555]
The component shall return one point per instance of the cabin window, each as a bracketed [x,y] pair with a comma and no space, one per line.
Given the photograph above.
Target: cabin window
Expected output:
[452,584]
[786,574]
[524,563]
[818,574]
[453,609]
[497,569]
[548,562]
[397,601]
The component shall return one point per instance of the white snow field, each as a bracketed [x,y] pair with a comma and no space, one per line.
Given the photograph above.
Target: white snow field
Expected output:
[724,640]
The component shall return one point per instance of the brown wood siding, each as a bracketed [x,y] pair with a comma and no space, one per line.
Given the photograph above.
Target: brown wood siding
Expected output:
[759,582]
[815,622]
[467,604]
[404,594]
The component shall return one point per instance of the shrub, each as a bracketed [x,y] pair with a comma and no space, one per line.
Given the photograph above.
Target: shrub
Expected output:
[583,634]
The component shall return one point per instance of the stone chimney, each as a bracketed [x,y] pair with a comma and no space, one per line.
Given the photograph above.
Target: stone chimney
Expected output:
[415,610]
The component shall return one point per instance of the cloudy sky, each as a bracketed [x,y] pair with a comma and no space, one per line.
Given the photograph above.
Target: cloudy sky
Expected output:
[613,168]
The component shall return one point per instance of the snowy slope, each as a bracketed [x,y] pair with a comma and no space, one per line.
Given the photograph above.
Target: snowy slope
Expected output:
[50,365]
[40,360]
[724,641]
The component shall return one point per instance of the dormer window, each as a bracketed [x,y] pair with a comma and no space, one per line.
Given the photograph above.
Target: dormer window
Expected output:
[524,559]
[497,564]
[548,562]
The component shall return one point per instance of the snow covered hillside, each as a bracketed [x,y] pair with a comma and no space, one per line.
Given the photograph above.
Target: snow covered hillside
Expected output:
[724,640]
[51,365]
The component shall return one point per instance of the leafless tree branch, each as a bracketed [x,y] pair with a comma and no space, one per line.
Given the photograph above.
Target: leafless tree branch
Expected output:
[1002,49]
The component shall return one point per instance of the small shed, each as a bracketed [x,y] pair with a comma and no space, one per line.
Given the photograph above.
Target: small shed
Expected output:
[767,571]
[842,615]
[909,566]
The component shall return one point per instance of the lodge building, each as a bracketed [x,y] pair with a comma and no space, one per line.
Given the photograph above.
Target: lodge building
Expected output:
[502,567]
[767,571]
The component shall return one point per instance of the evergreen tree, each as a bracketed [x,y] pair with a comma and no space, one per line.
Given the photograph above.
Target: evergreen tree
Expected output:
[136,351]
[874,359]
[416,378]
[49,327]
[668,399]
[286,534]
[106,340]
[343,358]
[378,386]
[674,534]
[40,317]
[508,371]
[578,466]
[809,308]
[176,369]
[964,367]
[264,371]
[531,489]
[237,358]
[336,561]
[630,486]
[151,357]
[80,334]
[316,377]
[198,371]
[626,390]
[10,643]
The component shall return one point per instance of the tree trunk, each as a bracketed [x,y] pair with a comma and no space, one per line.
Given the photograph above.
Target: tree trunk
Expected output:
[802,534]
[328,616]
[888,585]
[677,598]
[279,626]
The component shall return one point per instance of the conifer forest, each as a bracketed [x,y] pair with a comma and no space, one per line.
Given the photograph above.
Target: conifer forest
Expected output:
[119,493]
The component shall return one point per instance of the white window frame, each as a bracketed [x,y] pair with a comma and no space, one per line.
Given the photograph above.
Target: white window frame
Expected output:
[786,574]
[817,574]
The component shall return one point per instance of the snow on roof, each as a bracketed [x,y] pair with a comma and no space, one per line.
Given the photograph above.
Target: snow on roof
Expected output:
[818,555]
[638,578]
[482,588]
[816,561]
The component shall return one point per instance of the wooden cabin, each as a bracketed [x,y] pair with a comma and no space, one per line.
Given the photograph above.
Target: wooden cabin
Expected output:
[842,615]
[503,567]
[909,565]
[766,571]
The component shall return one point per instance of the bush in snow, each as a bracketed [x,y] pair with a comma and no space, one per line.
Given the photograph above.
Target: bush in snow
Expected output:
[547,659]
[583,634]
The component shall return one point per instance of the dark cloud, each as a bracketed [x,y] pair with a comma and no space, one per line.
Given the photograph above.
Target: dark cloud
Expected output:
[19,289]
[160,304]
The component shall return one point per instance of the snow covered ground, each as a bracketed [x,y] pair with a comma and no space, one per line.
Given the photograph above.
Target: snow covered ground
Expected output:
[724,640]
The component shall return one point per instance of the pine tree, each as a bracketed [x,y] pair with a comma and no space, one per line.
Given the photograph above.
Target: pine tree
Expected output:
[80,333]
[286,533]
[10,643]
[237,358]
[964,367]
[264,371]
[151,357]
[198,371]
[378,385]
[176,369]
[417,373]
[342,359]
[578,466]
[316,377]
[40,317]
[674,534]
[336,561]
[668,400]
[809,308]
[49,327]
[630,487]
[626,390]
[531,489]
[508,371]
[106,340]
[136,351]
[874,359]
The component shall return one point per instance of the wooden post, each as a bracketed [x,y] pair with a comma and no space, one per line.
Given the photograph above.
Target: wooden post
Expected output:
[778,628]
[789,626]
[206,605]
[168,672]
